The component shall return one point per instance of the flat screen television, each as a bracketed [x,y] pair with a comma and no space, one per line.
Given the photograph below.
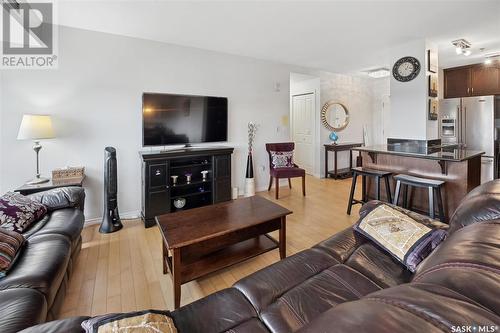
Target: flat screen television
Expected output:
[169,119]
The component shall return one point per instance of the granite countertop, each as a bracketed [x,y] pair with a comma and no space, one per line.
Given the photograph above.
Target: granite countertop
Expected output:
[441,153]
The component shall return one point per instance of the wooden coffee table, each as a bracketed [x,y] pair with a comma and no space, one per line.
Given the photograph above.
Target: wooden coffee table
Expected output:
[200,241]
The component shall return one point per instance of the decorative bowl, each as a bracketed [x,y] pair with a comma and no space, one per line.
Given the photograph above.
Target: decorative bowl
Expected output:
[179,203]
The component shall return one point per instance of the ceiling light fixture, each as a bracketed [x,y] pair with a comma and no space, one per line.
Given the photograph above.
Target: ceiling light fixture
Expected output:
[379,72]
[462,46]
[491,57]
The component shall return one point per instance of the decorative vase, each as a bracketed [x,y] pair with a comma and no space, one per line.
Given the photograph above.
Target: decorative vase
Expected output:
[179,203]
[250,181]
[334,137]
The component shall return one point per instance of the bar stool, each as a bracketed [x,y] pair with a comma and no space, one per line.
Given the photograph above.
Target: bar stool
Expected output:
[365,172]
[431,184]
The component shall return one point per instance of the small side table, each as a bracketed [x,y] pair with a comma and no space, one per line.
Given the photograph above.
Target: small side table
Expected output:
[53,183]
[344,172]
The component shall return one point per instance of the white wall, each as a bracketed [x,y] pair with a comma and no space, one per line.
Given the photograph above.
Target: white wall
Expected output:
[356,93]
[408,99]
[381,117]
[95,98]
[432,128]
[1,133]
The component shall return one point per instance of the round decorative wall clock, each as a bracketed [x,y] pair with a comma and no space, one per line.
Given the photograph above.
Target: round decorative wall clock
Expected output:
[406,69]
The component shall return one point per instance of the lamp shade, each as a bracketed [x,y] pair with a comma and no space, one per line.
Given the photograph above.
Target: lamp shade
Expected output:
[35,127]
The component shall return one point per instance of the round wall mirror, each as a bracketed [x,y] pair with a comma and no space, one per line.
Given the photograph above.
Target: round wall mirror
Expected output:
[334,116]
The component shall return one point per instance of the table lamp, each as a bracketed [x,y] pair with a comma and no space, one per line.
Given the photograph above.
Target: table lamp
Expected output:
[36,127]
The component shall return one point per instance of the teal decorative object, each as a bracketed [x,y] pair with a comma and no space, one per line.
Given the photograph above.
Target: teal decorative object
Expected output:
[334,137]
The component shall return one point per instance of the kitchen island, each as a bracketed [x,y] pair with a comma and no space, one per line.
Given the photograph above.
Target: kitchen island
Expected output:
[460,168]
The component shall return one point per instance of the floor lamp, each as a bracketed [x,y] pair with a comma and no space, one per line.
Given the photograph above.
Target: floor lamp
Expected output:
[36,127]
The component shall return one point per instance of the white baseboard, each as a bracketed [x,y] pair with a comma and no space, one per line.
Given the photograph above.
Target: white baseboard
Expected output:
[124,216]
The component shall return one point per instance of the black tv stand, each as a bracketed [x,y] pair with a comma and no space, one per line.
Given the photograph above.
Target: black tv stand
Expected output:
[159,191]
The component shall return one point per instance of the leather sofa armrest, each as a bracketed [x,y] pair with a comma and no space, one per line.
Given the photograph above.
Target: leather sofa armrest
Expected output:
[62,197]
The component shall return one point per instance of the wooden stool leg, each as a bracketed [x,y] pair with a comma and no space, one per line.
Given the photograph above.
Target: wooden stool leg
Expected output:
[351,195]
[440,204]
[377,188]
[405,196]
[431,202]
[304,185]
[388,189]
[270,183]
[289,183]
[277,188]
[396,193]
[363,188]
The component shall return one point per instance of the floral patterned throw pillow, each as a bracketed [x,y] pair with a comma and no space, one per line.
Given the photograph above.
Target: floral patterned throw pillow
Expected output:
[18,212]
[282,159]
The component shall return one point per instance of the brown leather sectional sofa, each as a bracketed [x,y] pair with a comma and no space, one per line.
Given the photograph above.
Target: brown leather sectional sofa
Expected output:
[34,289]
[347,284]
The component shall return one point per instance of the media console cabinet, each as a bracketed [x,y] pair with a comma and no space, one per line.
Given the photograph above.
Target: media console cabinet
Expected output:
[163,192]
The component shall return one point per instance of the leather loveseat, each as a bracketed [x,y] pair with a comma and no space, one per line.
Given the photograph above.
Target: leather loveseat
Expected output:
[34,288]
[348,284]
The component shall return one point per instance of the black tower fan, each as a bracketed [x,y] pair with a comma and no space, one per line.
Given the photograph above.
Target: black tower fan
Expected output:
[111,219]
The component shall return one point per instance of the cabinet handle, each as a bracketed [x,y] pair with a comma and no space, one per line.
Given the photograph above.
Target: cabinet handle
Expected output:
[157,173]
[472,90]
[468,90]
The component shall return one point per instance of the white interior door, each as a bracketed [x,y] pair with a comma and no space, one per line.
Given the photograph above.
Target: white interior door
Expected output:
[386,114]
[303,107]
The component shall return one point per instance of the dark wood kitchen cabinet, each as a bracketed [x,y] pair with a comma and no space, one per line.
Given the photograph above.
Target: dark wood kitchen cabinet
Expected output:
[485,80]
[472,80]
[457,82]
[165,180]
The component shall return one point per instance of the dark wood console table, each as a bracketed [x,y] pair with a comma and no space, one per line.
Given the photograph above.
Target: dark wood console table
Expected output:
[344,172]
[161,193]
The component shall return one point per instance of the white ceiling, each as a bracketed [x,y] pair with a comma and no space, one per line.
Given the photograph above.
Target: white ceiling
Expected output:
[338,36]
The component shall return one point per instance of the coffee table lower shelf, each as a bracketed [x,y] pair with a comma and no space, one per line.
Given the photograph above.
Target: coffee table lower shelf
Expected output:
[231,255]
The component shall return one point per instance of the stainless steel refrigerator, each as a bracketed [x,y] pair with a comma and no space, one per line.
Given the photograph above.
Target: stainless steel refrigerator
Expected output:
[470,122]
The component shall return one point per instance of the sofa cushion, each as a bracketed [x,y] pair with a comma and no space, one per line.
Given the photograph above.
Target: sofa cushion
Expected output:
[342,244]
[11,243]
[61,197]
[407,239]
[18,212]
[359,253]
[41,267]
[67,222]
[67,325]
[369,317]
[378,266]
[301,304]
[219,312]
[21,308]
[462,259]
[265,286]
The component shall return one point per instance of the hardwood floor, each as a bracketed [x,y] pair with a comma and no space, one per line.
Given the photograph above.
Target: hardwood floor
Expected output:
[123,271]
